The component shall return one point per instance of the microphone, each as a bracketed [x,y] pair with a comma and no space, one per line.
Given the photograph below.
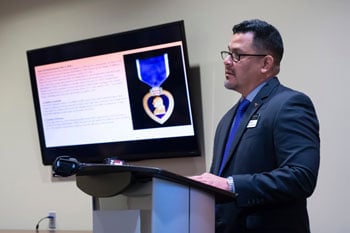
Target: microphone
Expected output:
[65,166]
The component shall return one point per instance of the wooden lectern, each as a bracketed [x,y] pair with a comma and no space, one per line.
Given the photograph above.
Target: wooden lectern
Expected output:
[132,199]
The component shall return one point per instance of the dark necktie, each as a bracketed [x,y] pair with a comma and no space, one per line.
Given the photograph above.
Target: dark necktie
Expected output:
[243,105]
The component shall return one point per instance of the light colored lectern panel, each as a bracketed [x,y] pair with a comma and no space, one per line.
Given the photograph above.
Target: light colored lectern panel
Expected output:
[107,221]
[155,206]
[170,207]
[202,212]
[159,206]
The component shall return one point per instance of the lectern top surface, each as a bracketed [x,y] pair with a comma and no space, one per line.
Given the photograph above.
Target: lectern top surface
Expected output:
[141,173]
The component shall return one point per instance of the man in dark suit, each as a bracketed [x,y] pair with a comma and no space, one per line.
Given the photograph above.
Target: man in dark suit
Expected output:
[271,163]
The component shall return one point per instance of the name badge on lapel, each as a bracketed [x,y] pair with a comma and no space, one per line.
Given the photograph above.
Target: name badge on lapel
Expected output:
[253,121]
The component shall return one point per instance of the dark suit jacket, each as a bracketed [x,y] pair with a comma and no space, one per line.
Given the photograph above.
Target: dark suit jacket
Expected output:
[274,164]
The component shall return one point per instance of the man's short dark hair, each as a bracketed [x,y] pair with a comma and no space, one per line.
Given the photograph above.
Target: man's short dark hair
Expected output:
[266,37]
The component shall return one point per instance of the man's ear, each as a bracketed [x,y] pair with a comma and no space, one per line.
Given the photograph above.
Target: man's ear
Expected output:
[268,64]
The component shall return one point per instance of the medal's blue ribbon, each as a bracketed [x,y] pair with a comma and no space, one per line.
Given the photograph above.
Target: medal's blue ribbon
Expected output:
[154,70]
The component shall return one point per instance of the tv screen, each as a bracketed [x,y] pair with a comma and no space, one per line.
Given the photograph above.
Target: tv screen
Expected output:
[123,96]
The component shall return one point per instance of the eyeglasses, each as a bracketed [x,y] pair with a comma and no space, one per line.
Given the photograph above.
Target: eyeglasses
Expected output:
[237,57]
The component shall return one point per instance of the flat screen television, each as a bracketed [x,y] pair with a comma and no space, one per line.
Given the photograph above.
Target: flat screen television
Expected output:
[123,96]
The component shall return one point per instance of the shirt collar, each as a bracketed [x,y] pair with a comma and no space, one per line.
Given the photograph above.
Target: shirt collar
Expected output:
[254,92]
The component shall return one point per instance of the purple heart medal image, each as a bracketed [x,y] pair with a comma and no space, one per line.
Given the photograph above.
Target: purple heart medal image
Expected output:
[158,103]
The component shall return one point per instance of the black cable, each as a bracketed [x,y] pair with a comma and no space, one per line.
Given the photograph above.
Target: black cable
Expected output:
[37,225]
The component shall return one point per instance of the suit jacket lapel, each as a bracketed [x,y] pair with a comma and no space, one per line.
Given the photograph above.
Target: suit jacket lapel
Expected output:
[244,122]
[258,101]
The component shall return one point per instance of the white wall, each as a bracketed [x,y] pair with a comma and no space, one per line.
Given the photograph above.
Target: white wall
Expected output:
[316,61]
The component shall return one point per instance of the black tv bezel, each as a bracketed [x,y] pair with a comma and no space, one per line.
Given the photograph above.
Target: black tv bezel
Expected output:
[187,146]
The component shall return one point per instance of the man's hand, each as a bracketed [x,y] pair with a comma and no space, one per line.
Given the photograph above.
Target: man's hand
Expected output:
[213,180]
